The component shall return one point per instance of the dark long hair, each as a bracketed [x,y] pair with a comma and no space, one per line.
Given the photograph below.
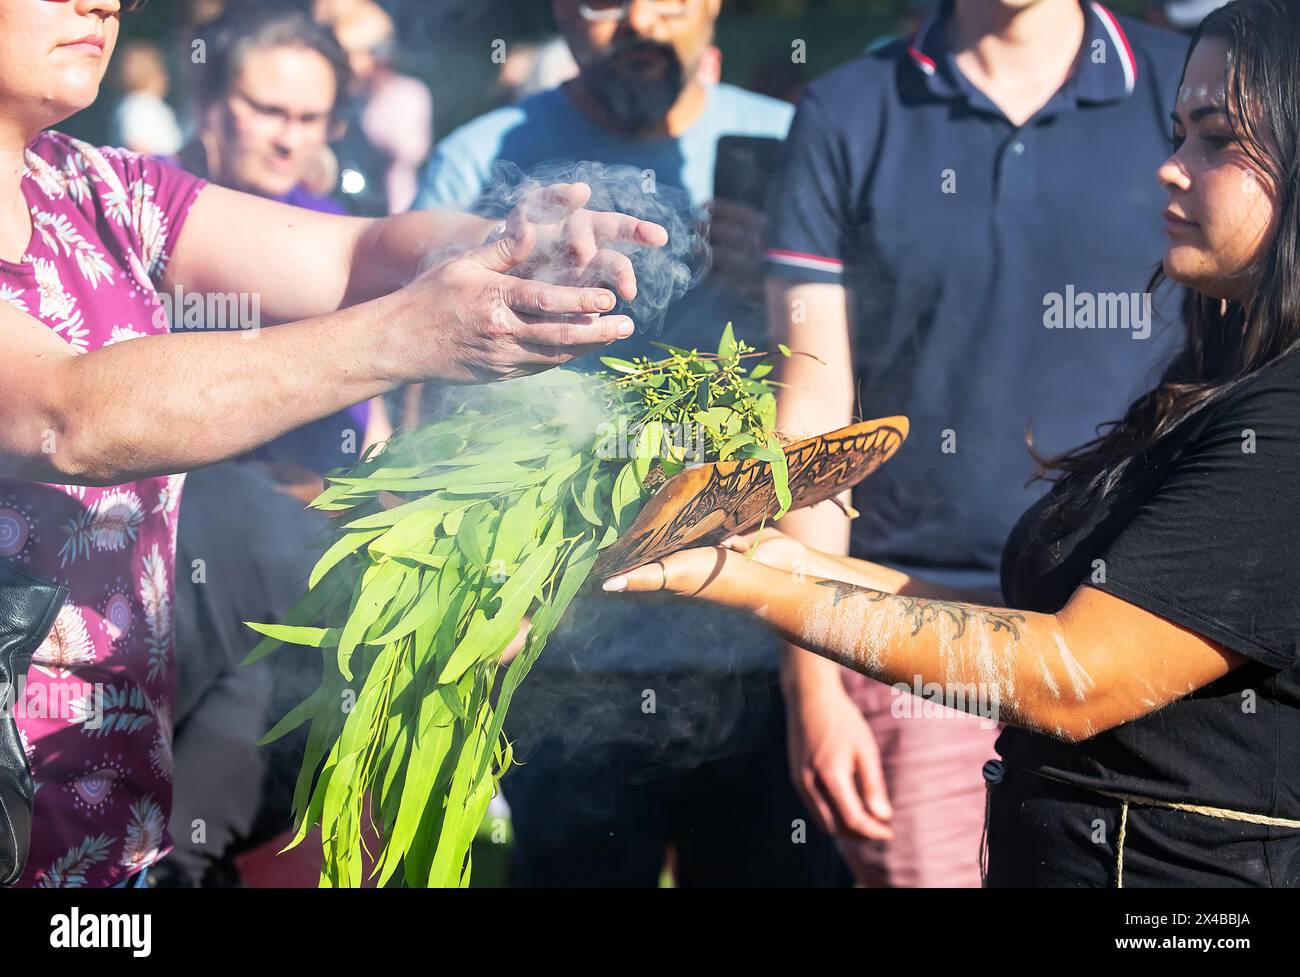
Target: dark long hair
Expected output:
[1226,342]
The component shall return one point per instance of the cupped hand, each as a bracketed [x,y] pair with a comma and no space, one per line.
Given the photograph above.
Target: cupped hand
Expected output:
[576,246]
[526,300]
[469,320]
[699,572]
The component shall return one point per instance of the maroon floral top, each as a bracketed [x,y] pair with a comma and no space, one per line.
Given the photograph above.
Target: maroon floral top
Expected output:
[95,713]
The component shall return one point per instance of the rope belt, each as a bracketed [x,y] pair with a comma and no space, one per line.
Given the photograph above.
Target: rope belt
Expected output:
[993,771]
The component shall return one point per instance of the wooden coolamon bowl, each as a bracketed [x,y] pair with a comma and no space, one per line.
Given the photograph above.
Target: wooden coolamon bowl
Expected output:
[705,504]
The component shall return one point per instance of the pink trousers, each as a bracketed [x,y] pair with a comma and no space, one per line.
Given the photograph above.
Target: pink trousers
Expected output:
[933,757]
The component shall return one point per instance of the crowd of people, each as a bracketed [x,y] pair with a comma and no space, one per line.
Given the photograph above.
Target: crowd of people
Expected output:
[980,223]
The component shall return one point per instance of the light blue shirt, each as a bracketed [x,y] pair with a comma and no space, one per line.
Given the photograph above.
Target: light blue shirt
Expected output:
[603,633]
[548,126]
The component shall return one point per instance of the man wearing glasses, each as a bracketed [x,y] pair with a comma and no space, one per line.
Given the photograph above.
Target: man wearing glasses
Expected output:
[644,728]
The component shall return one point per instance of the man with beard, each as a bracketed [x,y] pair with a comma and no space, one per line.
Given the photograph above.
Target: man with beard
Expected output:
[646,729]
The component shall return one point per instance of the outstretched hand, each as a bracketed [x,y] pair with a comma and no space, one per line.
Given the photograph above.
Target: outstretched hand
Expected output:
[535,295]
[572,245]
[703,572]
[696,572]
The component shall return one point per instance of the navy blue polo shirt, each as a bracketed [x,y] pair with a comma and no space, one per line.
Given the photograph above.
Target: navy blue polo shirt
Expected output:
[998,273]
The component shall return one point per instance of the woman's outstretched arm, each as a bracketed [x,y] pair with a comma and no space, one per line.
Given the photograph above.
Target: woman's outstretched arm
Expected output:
[1096,664]
[775,548]
[302,264]
[170,403]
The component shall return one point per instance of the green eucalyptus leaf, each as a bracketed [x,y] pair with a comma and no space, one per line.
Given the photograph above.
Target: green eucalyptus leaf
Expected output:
[504,503]
[489,635]
[727,345]
[305,637]
[619,366]
[733,444]
[345,546]
[627,494]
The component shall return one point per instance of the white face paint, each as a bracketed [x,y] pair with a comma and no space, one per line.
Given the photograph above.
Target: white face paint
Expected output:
[1080,680]
[1049,679]
[995,660]
[971,644]
[859,628]
[866,631]
[880,630]
[1188,92]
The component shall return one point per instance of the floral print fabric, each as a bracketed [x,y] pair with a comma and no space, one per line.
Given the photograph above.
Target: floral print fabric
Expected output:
[95,712]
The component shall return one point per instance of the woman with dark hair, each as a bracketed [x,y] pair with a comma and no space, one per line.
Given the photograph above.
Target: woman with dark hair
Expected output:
[269,97]
[269,101]
[1146,661]
[102,405]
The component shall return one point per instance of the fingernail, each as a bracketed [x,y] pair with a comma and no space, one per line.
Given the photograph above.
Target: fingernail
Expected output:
[605,302]
[615,585]
[625,329]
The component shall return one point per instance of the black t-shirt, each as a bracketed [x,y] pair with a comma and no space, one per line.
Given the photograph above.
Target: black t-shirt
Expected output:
[1204,533]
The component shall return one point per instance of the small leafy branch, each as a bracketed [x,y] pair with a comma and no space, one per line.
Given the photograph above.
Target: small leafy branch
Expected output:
[446,545]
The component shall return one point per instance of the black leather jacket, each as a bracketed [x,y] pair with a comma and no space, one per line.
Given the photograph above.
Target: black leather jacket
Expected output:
[28,608]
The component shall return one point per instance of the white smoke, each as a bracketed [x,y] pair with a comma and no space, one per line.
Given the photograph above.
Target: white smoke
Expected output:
[663,275]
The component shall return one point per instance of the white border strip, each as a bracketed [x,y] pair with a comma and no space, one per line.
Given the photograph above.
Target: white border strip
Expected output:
[811,262]
[1121,45]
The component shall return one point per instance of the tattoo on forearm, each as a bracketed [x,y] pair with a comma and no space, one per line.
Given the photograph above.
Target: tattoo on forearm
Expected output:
[923,611]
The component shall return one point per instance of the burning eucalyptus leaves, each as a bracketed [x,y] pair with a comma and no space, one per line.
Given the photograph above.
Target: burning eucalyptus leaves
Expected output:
[442,545]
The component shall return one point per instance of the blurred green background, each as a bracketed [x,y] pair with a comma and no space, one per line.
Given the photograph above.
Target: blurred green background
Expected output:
[449,43]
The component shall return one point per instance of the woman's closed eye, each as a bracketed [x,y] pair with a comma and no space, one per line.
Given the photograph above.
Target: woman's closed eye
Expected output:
[1217,141]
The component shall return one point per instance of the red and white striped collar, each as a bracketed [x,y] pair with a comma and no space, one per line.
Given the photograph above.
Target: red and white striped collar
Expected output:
[917,44]
[926,46]
[1119,40]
